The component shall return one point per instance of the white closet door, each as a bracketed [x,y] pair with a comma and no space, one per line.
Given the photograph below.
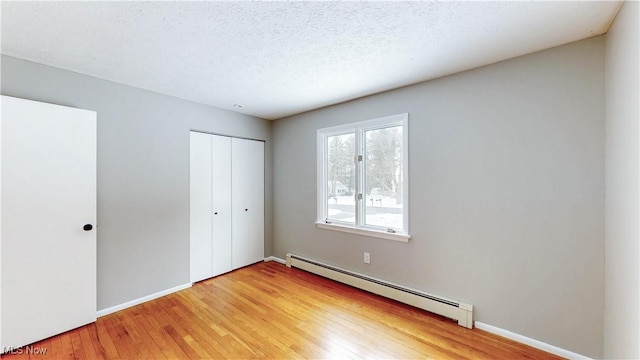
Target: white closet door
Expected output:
[221,195]
[48,196]
[248,201]
[201,206]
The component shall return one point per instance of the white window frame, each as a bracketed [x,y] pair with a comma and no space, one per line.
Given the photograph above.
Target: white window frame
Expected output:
[359,129]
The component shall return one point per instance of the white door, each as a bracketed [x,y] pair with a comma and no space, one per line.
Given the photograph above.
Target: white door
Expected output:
[200,206]
[248,201]
[210,205]
[48,220]
[221,195]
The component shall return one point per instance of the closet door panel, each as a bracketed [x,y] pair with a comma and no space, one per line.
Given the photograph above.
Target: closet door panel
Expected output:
[201,206]
[221,194]
[248,202]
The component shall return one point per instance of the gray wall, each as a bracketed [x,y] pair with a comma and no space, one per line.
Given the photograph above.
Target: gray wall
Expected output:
[507,193]
[143,172]
[622,318]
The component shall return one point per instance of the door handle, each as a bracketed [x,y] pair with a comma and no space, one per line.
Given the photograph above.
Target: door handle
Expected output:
[87,227]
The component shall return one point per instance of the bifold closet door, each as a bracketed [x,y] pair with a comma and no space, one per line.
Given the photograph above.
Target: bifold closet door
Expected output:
[210,199]
[221,198]
[248,201]
[48,220]
[201,206]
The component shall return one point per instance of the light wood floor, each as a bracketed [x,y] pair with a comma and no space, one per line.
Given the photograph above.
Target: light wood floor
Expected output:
[269,311]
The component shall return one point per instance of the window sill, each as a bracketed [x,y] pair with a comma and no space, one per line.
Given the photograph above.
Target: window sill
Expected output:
[364,232]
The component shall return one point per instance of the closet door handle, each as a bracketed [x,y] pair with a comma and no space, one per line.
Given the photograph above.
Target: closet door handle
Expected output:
[87,227]
[246,209]
[215,213]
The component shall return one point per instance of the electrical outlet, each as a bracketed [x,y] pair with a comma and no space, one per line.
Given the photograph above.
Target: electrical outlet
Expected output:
[367,258]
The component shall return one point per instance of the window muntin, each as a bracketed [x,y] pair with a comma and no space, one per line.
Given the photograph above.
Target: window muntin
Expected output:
[363,175]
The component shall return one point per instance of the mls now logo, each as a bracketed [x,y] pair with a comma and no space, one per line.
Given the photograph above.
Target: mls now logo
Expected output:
[27,350]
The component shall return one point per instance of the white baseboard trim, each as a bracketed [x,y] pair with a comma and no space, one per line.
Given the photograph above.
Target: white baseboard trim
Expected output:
[529,341]
[276,259]
[141,300]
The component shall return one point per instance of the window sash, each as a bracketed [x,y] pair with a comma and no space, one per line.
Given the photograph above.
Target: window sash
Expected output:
[327,180]
[367,169]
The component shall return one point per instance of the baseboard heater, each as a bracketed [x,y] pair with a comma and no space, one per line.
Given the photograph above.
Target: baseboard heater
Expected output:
[461,312]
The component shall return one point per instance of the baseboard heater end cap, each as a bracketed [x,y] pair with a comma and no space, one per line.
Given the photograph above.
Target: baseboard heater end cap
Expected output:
[288,259]
[465,316]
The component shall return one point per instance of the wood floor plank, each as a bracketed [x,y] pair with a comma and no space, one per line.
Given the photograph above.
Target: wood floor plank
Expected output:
[145,346]
[55,350]
[268,311]
[89,345]
[195,316]
[66,346]
[101,339]
[156,342]
[76,344]
[118,337]
[192,334]
[156,331]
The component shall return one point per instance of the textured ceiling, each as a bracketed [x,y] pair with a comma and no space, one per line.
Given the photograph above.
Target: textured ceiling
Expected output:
[281,58]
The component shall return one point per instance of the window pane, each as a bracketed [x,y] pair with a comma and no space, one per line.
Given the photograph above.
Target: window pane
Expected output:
[341,178]
[383,177]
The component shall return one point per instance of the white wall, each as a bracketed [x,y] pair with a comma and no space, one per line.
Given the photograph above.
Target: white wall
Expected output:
[622,299]
[507,193]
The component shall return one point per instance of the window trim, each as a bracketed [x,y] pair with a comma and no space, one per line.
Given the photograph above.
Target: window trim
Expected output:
[359,129]
[364,232]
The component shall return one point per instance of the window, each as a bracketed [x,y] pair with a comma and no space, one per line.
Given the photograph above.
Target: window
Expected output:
[363,178]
